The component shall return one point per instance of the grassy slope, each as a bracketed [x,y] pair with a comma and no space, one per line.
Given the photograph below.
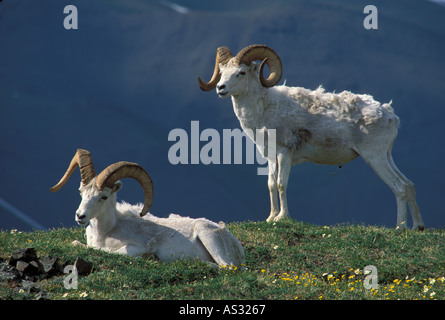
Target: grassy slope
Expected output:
[286,260]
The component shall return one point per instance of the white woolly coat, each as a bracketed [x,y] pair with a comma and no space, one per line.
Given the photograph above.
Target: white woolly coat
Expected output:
[317,126]
[172,238]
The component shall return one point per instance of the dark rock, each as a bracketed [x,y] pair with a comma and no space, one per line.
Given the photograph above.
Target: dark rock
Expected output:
[30,286]
[21,266]
[24,270]
[83,267]
[50,265]
[18,254]
[22,254]
[8,273]
[28,268]
[35,267]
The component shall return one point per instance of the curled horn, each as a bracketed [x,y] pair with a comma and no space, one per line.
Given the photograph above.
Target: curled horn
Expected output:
[267,56]
[83,159]
[125,169]
[223,55]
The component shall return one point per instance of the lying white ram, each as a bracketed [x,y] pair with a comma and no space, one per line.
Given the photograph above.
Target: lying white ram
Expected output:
[130,229]
[316,126]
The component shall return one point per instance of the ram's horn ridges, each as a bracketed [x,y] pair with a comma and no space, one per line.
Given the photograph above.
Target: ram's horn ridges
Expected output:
[83,159]
[267,56]
[223,55]
[124,169]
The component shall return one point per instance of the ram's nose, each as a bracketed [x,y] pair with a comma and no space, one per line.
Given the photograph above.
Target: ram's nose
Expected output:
[220,90]
[80,217]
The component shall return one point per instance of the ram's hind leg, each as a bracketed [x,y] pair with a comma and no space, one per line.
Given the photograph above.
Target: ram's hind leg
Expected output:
[382,167]
[223,248]
[411,196]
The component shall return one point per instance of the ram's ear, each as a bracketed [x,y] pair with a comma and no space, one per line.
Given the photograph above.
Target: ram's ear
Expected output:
[116,187]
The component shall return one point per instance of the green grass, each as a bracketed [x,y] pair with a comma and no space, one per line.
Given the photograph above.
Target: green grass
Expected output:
[284,260]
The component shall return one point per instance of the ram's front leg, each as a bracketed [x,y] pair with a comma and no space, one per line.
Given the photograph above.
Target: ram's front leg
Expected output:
[284,160]
[273,191]
[78,243]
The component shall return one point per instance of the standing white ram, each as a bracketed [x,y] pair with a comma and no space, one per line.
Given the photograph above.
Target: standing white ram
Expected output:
[316,126]
[130,229]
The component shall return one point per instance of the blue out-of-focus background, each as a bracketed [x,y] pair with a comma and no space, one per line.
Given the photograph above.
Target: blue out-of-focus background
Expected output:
[127,76]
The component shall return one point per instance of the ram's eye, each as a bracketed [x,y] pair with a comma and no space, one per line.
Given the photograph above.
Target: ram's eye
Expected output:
[104,198]
[242,73]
